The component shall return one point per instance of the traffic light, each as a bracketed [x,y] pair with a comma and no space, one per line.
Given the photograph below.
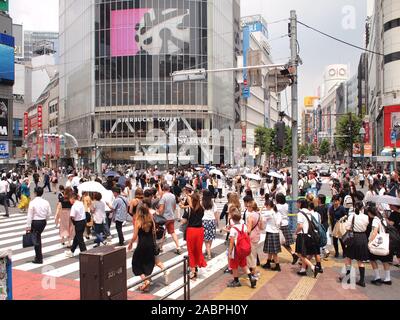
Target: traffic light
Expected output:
[280,134]
[394,153]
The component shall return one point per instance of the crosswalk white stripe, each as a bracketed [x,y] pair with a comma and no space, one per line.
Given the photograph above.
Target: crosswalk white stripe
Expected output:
[71,268]
[3,221]
[49,223]
[20,233]
[19,223]
[61,256]
[55,247]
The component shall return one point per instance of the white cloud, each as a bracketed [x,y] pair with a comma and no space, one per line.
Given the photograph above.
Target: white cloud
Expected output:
[38,15]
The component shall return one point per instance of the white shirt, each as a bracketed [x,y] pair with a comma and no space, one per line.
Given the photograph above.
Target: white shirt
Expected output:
[39,209]
[68,184]
[219,184]
[334,175]
[361,222]
[99,214]
[169,179]
[234,233]
[75,182]
[369,195]
[280,189]
[4,186]
[210,214]
[78,211]
[273,221]
[301,219]
[283,209]
[108,197]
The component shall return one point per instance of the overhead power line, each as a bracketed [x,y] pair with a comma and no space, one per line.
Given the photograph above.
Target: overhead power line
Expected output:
[337,39]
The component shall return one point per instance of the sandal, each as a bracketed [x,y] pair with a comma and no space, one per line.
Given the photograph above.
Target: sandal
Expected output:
[193,275]
[145,287]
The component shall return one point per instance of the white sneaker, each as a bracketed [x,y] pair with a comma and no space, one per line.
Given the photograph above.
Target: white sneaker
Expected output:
[69,254]
[166,277]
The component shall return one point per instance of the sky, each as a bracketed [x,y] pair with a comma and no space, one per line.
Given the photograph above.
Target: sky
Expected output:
[344,19]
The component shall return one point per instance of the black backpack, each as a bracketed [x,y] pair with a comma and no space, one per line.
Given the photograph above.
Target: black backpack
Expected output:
[394,238]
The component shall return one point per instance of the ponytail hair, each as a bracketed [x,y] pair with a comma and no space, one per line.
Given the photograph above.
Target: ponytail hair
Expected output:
[271,204]
[358,207]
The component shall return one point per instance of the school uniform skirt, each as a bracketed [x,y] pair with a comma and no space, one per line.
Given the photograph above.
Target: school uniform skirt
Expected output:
[288,236]
[359,248]
[272,244]
[305,246]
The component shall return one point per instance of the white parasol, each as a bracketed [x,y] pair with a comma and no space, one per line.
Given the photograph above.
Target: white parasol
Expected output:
[385,200]
[253,176]
[275,175]
[216,172]
[92,186]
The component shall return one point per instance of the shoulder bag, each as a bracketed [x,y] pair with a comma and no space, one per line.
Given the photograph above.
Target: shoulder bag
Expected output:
[156,249]
[380,245]
[348,237]
[340,228]
[29,240]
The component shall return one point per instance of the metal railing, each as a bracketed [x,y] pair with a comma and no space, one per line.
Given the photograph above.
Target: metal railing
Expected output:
[186,279]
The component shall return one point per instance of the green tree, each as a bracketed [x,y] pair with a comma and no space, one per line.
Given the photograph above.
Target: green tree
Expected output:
[303,150]
[311,149]
[324,147]
[348,132]
[287,149]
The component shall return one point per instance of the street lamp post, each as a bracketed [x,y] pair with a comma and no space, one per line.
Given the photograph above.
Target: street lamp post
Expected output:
[95,139]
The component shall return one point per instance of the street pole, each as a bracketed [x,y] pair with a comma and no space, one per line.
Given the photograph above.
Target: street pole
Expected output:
[167,151]
[177,144]
[351,140]
[294,64]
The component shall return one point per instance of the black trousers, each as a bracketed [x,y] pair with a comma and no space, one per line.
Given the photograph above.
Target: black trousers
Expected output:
[47,184]
[118,224]
[78,239]
[362,184]
[37,228]
[336,244]
[4,201]
[99,230]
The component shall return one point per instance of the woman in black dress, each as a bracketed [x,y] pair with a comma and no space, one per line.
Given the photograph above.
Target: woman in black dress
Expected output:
[143,259]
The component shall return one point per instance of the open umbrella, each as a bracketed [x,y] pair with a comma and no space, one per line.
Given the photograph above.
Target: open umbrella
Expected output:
[275,175]
[111,174]
[253,176]
[385,200]
[92,186]
[216,172]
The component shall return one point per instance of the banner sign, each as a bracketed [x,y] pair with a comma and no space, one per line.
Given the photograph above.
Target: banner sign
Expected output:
[40,117]
[4,150]
[3,117]
[26,124]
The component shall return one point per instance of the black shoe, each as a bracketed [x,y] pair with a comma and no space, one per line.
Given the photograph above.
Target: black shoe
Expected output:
[316,271]
[295,259]
[361,283]
[234,284]
[389,283]
[253,282]
[336,255]
[302,273]
[227,270]
[266,266]
[276,268]
[377,282]
[37,262]
[6,215]
[320,270]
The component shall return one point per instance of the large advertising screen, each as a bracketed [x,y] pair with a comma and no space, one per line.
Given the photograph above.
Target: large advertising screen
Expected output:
[3,118]
[6,59]
[149,31]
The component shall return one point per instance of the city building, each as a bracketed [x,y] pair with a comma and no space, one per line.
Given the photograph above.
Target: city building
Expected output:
[36,40]
[259,106]
[116,90]
[308,120]
[41,127]
[7,78]
[383,96]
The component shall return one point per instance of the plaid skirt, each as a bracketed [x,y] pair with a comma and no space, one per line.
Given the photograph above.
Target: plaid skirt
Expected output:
[288,236]
[210,229]
[272,244]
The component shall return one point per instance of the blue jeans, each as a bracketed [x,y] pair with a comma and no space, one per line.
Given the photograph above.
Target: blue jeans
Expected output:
[99,231]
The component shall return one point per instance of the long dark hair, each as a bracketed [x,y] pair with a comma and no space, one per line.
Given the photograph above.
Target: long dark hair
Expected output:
[358,207]
[207,200]
[196,205]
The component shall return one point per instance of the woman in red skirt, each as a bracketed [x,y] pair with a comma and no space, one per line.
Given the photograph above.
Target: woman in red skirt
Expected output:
[195,234]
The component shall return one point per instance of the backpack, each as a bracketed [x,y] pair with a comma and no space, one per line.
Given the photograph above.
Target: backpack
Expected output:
[316,231]
[243,244]
[394,238]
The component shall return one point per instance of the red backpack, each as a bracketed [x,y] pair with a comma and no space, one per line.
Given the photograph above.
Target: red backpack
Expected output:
[243,244]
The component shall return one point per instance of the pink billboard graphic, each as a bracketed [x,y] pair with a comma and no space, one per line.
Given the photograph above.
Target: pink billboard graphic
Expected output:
[123,32]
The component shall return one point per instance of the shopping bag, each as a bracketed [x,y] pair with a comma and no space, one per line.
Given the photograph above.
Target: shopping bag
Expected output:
[340,229]
[380,245]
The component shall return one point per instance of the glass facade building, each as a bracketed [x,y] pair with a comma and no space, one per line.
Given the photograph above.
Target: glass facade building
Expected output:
[116,60]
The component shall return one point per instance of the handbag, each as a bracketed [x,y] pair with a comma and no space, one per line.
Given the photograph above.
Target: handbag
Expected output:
[282,239]
[380,245]
[157,249]
[159,220]
[29,240]
[348,237]
[340,228]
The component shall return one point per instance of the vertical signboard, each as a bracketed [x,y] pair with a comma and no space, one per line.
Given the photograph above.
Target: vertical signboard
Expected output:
[246,48]
[40,117]
[4,5]
[26,124]
[3,118]
[4,150]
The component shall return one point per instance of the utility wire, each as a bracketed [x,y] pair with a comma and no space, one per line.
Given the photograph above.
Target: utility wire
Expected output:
[337,39]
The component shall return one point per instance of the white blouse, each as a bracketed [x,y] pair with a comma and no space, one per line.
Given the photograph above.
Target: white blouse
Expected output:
[273,221]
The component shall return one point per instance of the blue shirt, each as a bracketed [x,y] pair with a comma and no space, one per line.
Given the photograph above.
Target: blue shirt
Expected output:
[120,205]
[25,190]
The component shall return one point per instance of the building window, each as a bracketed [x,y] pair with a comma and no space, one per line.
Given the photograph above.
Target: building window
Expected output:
[395,56]
[17,128]
[392,24]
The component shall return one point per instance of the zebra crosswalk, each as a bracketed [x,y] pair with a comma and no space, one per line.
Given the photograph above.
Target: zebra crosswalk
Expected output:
[57,265]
